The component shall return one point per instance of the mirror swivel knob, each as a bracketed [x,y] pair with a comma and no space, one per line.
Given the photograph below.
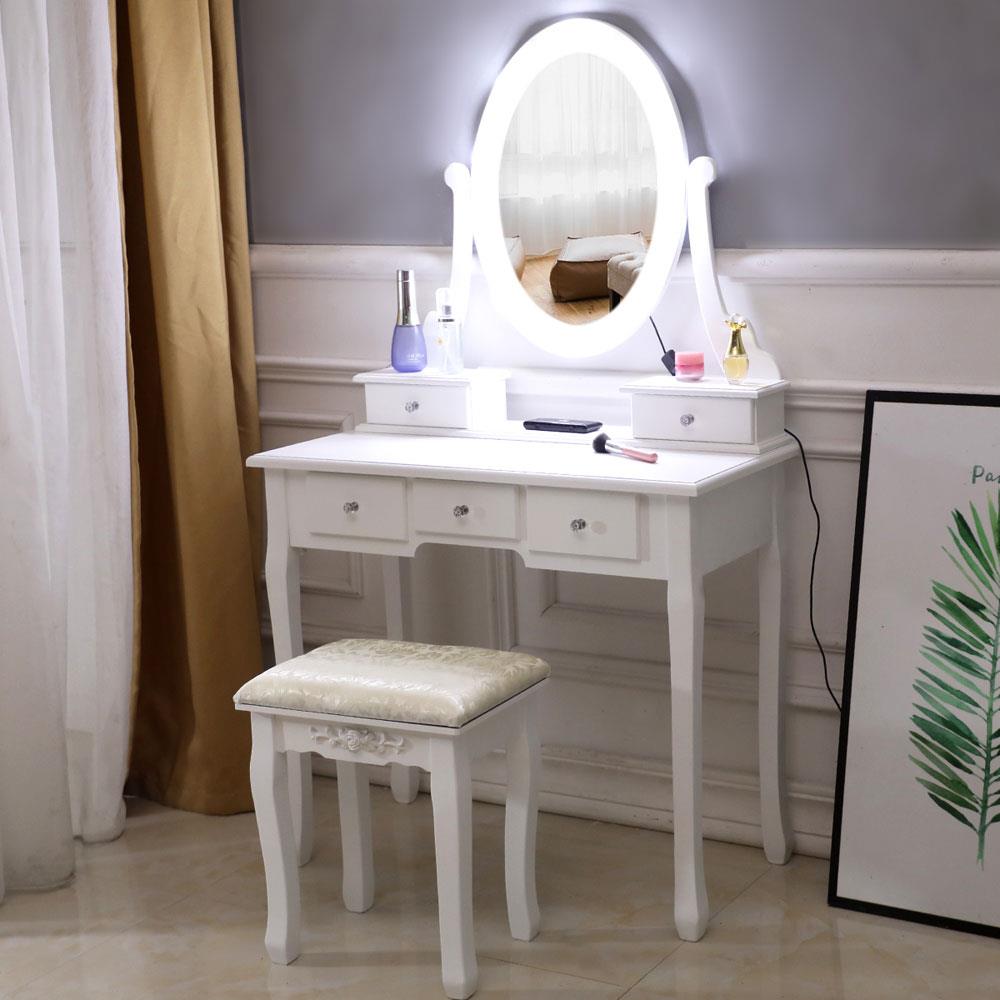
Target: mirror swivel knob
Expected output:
[461,510]
[351,507]
[687,419]
[412,406]
[577,524]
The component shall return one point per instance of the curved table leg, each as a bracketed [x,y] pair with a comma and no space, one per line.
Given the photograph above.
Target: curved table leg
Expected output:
[405,781]
[686,610]
[282,579]
[775,828]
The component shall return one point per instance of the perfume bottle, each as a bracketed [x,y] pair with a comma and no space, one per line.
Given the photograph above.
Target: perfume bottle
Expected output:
[736,364]
[449,334]
[409,350]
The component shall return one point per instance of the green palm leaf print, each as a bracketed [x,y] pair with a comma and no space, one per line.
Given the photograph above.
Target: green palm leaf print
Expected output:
[956,721]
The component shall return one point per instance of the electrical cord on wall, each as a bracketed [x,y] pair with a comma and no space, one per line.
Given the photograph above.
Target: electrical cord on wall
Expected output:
[812,568]
[668,363]
[668,356]
[657,332]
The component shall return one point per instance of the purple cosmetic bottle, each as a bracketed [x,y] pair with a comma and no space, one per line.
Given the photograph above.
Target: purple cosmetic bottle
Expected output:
[409,350]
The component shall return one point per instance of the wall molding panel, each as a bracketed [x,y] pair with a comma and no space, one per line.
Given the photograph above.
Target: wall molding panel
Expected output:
[823,267]
[332,421]
[311,371]
[840,321]
[811,395]
[344,263]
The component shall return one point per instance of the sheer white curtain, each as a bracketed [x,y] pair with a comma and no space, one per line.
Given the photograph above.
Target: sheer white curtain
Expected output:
[578,159]
[65,508]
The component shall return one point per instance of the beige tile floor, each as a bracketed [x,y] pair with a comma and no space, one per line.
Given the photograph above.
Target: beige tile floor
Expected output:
[175,909]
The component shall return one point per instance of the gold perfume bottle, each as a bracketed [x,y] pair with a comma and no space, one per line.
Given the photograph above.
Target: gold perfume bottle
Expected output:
[736,364]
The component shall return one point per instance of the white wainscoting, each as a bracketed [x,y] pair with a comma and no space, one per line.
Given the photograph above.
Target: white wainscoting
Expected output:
[839,321]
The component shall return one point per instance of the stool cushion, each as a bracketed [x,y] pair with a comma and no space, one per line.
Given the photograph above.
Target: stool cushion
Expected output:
[395,681]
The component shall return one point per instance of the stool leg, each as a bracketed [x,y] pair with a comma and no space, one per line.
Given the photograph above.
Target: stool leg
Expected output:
[356,835]
[451,797]
[300,795]
[269,783]
[404,782]
[523,753]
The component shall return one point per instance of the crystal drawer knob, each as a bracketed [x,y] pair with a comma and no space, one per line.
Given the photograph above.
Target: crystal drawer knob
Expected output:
[412,406]
[687,419]
[578,524]
[461,510]
[351,507]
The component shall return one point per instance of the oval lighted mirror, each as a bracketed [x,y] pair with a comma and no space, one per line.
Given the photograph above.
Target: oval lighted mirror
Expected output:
[578,188]
[578,175]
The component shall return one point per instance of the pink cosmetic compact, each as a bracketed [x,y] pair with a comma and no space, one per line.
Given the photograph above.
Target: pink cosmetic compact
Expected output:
[689,366]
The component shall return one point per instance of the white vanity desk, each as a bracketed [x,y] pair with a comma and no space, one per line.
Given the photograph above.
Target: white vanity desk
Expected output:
[439,462]
[559,506]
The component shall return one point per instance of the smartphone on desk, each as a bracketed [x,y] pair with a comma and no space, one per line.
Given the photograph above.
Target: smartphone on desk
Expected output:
[562,425]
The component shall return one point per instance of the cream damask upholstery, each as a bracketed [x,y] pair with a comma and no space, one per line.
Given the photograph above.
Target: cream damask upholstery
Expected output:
[395,681]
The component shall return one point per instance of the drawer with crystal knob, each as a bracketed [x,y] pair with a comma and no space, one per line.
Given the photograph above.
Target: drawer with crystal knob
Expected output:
[480,510]
[445,406]
[350,506]
[745,417]
[474,398]
[583,522]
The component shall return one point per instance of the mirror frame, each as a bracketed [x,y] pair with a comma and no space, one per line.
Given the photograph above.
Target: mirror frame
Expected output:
[569,37]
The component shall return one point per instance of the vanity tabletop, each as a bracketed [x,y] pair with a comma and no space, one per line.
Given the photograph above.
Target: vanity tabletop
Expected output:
[544,463]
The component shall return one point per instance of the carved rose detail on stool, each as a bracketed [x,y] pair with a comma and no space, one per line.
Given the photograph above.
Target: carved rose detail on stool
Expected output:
[357,740]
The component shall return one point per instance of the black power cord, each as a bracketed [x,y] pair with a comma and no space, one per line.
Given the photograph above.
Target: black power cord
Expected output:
[668,356]
[812,569]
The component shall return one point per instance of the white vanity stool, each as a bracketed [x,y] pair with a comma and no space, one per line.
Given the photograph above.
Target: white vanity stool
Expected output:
[376,701]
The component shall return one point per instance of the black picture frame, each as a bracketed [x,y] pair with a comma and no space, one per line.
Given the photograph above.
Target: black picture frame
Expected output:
[834,897]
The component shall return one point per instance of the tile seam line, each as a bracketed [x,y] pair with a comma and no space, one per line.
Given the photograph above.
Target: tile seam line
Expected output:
[681,943]
[552,972]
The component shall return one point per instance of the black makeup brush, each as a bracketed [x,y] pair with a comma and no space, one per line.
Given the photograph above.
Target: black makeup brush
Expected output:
[603,445]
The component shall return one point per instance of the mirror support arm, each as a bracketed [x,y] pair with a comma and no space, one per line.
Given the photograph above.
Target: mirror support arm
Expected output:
[458,178]
[701,173]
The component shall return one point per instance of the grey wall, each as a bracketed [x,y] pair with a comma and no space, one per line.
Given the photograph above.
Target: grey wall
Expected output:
[836,123]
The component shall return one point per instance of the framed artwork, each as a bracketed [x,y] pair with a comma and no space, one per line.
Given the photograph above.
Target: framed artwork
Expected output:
[916,831]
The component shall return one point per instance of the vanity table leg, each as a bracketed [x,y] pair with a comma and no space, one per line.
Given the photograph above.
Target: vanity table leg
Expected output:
[283,581]
[405,781]
[775,828]
[686,610]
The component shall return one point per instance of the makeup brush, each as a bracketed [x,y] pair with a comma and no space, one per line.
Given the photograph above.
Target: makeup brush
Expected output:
[603,445]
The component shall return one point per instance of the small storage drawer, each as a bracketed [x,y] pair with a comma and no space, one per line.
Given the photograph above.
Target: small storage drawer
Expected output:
[583,522]
[421,406]
[482,510]
[354,506]
[711,414]
[472,399]
[680,418]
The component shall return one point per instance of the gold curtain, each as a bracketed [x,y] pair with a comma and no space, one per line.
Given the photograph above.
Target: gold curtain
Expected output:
[195,392]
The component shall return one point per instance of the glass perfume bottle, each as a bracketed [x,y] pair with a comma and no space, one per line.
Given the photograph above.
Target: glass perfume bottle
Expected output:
[449,334]
[736,364]
[409,350]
